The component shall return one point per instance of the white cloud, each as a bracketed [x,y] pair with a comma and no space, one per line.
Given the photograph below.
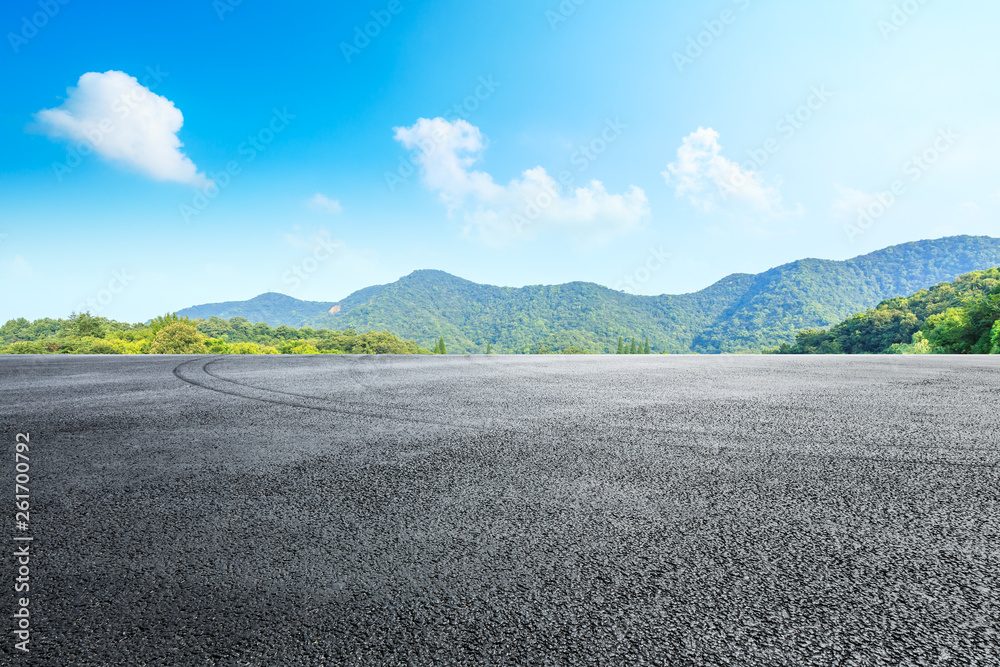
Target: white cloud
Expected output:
[970,207]
[496,214]
[708,179]
[850,203]
[324,203]
[123,121]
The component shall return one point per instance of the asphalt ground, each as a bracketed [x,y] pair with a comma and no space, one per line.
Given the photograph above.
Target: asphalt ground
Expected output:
[506,510]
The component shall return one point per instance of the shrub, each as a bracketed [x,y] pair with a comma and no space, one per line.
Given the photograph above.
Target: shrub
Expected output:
[304,348]
[178,338]
[24,347]
[217,346]
[250,348]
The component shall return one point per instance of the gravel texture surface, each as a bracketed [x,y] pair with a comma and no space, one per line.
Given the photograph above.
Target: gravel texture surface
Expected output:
[508,510]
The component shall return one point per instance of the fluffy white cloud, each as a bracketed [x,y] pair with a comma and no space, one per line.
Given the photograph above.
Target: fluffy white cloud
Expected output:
[708,179]
[123,121]
[495,214]
[324,203]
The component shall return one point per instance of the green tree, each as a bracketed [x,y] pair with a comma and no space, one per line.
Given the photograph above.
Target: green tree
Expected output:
[645,345]
[15,330]
[489,348]
[950,332]
[632,348]
[82,325]
[304,349]
[440,348]
[920,345]
[166,320]
[621,345]
[995,338]
[179,338]
[213,327]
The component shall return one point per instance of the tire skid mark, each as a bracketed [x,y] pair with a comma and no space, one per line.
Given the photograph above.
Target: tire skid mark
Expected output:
[288,393]
[353,372]
[304,404]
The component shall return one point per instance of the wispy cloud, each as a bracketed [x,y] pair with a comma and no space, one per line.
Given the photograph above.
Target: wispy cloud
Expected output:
[495,214]
[125,122]
[710,181]
[17,268]
[849,203]
[322,202]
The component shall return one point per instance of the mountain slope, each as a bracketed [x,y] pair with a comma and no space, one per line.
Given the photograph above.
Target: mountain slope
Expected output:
[741,313]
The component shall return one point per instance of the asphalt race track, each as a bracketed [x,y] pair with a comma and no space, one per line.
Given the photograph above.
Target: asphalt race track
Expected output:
[507,510]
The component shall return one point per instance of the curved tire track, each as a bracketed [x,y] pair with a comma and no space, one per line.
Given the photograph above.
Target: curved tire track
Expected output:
[194,372]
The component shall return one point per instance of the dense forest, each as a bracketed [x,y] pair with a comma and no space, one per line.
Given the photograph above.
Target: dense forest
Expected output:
[740,313]
[960,317]
[171,334]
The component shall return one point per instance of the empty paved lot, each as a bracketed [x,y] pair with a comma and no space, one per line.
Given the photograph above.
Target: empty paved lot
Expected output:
[509,510]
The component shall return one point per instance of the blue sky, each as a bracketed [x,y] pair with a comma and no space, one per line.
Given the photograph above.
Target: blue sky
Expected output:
[590,142]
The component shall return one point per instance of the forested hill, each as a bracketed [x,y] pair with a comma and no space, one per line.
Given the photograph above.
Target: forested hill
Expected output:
[741,313]
[273,308]
[960,317]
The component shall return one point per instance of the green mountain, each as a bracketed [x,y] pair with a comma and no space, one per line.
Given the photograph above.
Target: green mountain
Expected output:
[273,308]
[740,313]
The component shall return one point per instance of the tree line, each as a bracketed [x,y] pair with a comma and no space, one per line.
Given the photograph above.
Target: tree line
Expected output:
[169,334]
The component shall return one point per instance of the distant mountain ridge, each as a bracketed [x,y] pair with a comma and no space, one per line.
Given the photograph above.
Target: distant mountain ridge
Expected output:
[740,313]
[271,307]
